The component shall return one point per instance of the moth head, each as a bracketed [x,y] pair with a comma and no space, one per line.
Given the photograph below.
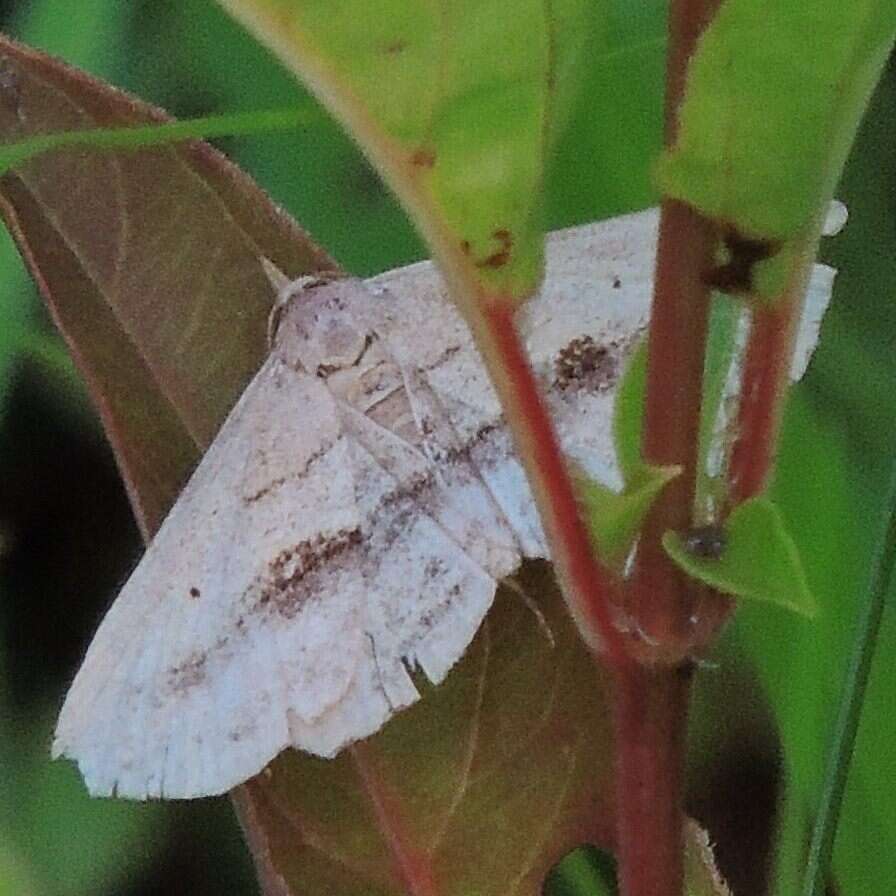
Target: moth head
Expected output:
[320,331]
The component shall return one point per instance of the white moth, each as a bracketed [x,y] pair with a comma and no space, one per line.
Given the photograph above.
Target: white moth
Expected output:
[351,521]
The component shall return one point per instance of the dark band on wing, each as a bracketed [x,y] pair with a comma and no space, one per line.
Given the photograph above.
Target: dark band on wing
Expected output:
[586,365]
[293,575]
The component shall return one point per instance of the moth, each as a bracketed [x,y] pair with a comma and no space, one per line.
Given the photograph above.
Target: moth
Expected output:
[351,520]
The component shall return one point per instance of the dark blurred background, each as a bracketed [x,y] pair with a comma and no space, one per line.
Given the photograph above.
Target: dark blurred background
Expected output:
[67,540]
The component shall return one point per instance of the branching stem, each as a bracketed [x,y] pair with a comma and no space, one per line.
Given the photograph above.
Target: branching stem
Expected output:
[763,383]
[651,703]
[587,585]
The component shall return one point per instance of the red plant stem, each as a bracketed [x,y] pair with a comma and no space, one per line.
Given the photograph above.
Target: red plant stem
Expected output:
[650,723]
[250,805]
[763,381]
[413,865]
[661,597]
[651,704]
[588,587]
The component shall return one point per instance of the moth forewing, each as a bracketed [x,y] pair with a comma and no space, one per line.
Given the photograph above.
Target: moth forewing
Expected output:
[349,522]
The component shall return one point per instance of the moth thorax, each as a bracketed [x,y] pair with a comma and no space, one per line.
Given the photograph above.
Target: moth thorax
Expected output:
[323,339]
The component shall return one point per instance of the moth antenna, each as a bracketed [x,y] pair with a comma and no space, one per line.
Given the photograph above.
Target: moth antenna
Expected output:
[280,283]
[278,280]
[284,287]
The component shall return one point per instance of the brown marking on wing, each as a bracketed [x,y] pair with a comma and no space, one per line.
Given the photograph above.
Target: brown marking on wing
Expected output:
[242,732]
[189,673]
[585,364]
[280,481]
[293,575]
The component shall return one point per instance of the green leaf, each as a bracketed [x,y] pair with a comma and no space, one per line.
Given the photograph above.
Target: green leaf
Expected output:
[614,518]
[769,115]
[628,409]
[88,46]
[76,845]
[15,325]
[848,419]
[855,687]
[456,106]
[625,81]
[759,561]
[595,870]
[720,345]
[16,878]
[628,413]
[13,154]
[316,170]
[586,871]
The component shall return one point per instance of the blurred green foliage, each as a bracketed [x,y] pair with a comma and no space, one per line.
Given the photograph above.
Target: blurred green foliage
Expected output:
[779,676]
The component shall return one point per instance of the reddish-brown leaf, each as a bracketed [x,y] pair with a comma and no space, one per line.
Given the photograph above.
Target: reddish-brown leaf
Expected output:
[479,788]
[149,261]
